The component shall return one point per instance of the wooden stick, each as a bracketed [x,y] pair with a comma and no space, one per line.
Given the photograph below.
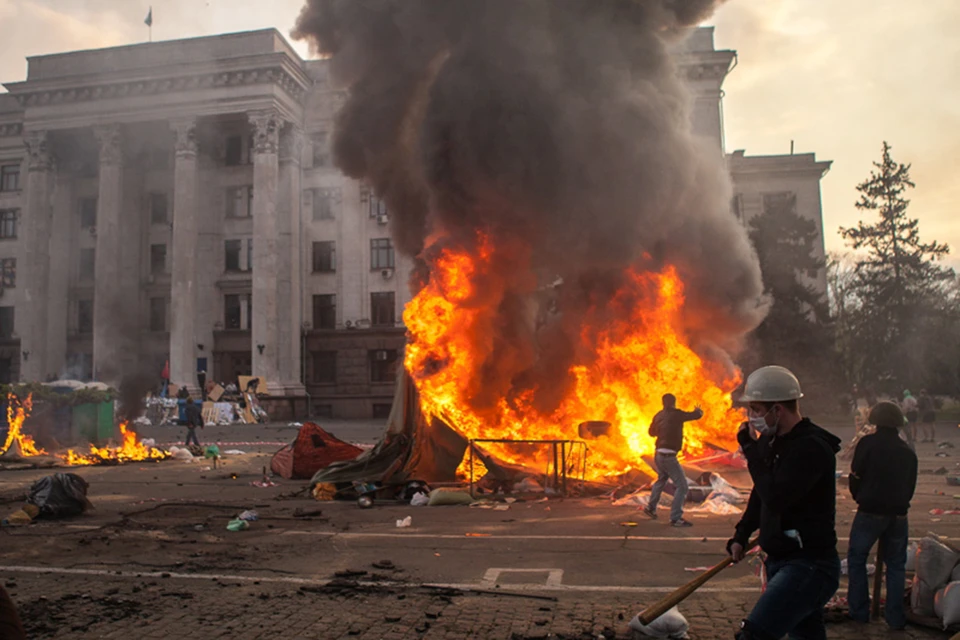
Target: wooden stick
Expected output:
[656,610]
[877,581]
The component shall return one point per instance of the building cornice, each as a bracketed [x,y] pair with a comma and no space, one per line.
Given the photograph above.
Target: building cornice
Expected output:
[281,72]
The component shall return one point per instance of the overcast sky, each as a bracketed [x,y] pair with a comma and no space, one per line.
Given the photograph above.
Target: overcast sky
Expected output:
[836,76]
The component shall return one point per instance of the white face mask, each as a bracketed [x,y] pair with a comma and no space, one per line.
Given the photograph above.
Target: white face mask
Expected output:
[759,424]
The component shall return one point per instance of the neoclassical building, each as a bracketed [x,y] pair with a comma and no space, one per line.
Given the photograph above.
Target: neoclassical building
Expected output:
[177,201]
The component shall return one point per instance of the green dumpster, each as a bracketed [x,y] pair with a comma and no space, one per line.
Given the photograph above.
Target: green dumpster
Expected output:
[93,423]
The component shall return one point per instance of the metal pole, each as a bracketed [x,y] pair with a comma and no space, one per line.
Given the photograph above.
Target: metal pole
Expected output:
[470,445]
[563,460]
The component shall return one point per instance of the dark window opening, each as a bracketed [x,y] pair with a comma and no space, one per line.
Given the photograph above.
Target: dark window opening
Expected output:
[324,257]
[88,213]
[10,177]
[231,311]
[381,253]
[322,205]
[8,272]
[324,367]
[383,365]
[88,259]
[85,316]
[8,223]
[158,314]
[250,254]
[239,201]
[321,150]
[6,322]
[232,250]
[382,309]
[158,259]
[325,311]
[377,207]
[158,208]
[234,156]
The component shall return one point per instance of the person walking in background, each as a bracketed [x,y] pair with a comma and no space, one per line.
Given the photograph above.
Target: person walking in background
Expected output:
[793,465]
[928,414]
[194,419]
[883,477]
[667,428]
[911,411]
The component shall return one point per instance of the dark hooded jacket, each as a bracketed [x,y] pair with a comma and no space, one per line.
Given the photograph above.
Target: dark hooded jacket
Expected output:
[794,490]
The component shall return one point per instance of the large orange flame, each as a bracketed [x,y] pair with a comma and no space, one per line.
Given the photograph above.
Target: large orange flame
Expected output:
[630,361]
[130,449]
[17,412]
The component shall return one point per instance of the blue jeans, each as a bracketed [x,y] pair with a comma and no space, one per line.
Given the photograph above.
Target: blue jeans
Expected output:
[668,468]
[192,435]
[892,532]
[792,605]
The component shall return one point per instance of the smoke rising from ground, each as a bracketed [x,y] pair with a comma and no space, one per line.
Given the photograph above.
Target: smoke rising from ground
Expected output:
[558,127]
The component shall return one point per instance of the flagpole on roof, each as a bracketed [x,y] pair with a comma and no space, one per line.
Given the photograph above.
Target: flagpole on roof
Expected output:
[149,23]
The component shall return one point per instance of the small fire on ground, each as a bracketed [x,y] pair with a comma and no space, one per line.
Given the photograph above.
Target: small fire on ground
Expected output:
[130,450]
[633,356]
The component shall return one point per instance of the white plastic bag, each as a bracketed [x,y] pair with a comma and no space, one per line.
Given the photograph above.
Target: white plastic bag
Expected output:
[724,489]
[149,443]
[671,624]
[406,522]
[947,604]
[935,562]
[419,500]
[178,453]
[912,556]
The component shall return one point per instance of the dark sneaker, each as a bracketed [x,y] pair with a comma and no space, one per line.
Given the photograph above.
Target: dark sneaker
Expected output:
[650,513]
[680,523]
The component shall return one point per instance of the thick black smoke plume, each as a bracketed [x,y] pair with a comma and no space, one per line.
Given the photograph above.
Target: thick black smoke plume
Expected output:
[560,126]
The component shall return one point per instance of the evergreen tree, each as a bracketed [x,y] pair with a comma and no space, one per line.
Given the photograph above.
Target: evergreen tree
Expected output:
[897,281]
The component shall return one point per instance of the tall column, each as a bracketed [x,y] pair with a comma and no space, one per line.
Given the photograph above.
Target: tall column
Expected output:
[34,262]
[61,240]
[109,307]
[266,133]
[289,267]
[183,290]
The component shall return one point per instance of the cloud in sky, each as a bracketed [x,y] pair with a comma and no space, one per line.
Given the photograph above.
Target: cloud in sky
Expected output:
[836,77]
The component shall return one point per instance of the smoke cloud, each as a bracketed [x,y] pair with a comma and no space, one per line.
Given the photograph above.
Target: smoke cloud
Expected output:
[558,127]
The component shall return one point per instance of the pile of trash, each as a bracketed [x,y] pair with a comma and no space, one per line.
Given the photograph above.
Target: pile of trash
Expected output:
[710,493]
[61,495]
[935,591]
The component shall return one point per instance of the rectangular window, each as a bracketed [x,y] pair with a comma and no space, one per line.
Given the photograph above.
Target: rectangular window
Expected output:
[736,205]
[322,205]
[88,213]
[158,259]
[383,365]
[6,322]
[324,257]
[8,223]
[10,177]
[234,156]
[324,367]
[158,314]
[239,202]
[8,272]
[250,254]
[325,311]
[88,263]
[231,311]
[382,306]
[784,202]
[158,208]
[85,316]
[381,253]
[231,249]
[321,150]
[377,207]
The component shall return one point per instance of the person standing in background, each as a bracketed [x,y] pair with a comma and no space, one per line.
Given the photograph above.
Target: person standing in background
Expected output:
[928,415]
[912,413]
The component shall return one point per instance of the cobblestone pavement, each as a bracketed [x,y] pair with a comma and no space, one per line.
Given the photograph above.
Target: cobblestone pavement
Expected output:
[156,607]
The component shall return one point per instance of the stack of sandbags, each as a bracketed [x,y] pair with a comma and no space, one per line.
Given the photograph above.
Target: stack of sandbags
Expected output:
[946,604]
[934,564]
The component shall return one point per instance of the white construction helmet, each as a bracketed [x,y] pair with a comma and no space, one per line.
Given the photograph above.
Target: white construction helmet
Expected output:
[771,384]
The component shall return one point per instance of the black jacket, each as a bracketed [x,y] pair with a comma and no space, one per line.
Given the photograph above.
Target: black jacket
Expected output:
[667,427]
[794,489]
[883,475]
[193,415]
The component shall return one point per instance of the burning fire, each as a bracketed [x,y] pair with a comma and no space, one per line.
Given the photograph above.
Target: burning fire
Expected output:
[632,362]
[17,412]
[131,449]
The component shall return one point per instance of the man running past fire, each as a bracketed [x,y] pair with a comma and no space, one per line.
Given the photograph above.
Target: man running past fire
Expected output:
[667,428]
[793,503]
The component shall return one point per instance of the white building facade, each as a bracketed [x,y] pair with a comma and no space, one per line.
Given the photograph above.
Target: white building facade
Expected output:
[177,201]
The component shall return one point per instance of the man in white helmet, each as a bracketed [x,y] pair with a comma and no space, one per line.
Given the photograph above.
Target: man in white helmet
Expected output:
[793,504]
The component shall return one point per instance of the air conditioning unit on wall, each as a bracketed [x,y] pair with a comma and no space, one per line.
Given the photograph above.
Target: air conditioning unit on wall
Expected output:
[387,274]
[383,219]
